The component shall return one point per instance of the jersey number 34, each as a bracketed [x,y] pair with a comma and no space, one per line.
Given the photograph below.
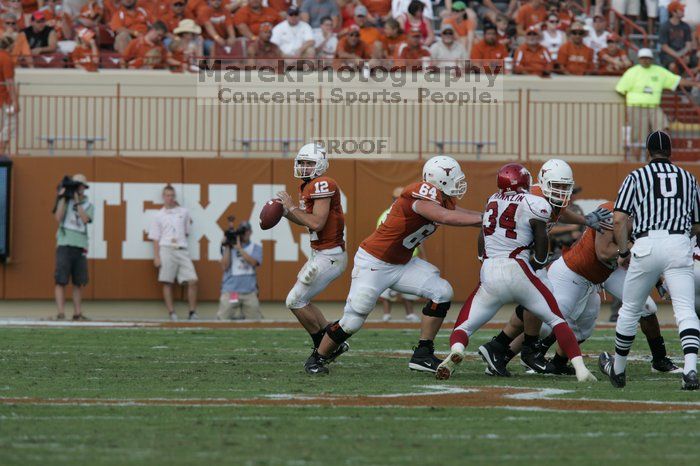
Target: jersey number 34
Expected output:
[506,219]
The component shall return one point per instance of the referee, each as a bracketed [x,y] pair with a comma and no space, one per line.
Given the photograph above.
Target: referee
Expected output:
[664,203]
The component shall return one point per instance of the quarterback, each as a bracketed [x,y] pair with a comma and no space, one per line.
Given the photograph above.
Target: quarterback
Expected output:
[320,211]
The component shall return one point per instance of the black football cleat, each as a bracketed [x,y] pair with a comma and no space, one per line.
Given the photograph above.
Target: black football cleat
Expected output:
[316,364]
[559,369]
[343,348]
[690,381]
[424,360]
[494,355]
[533,360]
[606,364]
[665,365]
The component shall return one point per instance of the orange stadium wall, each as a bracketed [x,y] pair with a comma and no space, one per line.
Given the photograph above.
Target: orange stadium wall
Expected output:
[126,192]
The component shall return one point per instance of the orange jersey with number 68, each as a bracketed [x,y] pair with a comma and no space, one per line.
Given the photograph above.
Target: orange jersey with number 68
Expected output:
[403,229]
[332,234]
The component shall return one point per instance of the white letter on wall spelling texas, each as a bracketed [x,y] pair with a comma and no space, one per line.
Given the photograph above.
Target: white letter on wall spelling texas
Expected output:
[286,248]
[102,194]
[204,220]
[138,220]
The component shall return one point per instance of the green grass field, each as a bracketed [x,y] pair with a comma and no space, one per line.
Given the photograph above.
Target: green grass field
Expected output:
[211,396]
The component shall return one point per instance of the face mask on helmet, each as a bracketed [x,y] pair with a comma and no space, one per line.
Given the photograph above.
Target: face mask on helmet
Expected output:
[558,193]
[460,187]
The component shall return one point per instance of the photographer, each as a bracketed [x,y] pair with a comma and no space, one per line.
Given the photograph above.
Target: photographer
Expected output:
[239,286]
[73,212]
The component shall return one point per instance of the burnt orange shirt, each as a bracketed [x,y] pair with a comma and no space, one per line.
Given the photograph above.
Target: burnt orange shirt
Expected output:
[7,72]
[279,5]
[529,61]
[484,51]
[140,53]
[29,6]
[20,48]
[110,9]
[582,258]
[378,7]
[530,16]
[406,52]
[136,19]
[575,59]
[360,49]
[82,55]
[220,18]
[253,19]
[171,20]
[403,229]
[392,43]
[462,28]
[606,68]
[369,35]
[332,234]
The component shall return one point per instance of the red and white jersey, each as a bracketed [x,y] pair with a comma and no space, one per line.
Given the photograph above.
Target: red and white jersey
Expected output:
[506,224]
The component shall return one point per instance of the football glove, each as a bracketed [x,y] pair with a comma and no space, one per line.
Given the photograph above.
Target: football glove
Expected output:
[600,219]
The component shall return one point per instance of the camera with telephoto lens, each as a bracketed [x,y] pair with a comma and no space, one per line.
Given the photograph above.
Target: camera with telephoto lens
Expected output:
[232,233]
[70,186]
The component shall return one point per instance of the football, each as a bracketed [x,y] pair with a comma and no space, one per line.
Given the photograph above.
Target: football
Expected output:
[271,214]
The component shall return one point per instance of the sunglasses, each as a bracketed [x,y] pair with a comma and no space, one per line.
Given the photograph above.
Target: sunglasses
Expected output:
[448,33]
[578,33]
[178,4]
[354,34]
[553,21]
[7,23]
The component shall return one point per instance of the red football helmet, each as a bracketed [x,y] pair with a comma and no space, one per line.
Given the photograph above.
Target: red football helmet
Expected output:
[514,178]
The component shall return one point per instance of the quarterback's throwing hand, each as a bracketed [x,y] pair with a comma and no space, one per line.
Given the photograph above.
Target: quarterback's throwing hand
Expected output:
[600,219]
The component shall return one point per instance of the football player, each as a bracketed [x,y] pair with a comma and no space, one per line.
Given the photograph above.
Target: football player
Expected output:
[576,277]
[385,260]
[555,185]
[320,211]
[514,221]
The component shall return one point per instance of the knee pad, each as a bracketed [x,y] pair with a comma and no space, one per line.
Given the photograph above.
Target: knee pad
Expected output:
[349,324]
[432,309]
[295,299]
[363,301]
[308,273]
[438,290]
[649,308]
[519,311]
[336,332]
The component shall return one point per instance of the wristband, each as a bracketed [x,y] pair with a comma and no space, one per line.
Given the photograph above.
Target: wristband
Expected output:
[623,254]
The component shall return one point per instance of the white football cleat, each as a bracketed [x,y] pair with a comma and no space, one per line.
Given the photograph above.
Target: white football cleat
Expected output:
[585,375]
[448,366]
[386,317]
[412,318]
[173,317]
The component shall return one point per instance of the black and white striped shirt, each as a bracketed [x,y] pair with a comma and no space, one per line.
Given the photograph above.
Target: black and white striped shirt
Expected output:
[660,196]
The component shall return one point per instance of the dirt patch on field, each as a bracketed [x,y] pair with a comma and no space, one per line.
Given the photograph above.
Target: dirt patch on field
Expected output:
[446,397]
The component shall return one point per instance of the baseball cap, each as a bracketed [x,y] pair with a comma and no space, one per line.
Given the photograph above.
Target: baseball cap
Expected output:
[446,27]
[293,10]
[659,141]
[354,28]
[38,15]
[533,30]
[459,6]
[361,10]
[645,53]
[80,178]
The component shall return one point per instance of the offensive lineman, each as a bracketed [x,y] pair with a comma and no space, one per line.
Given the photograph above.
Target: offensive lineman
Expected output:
[384,260]
[513,221]
[320,211]
[664,203]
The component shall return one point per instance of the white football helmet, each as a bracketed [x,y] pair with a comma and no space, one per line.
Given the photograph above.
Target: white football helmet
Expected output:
[556,179]
[312,152]
[445,173]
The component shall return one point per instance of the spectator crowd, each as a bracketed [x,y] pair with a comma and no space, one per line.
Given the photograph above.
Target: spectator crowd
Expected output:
[541,37]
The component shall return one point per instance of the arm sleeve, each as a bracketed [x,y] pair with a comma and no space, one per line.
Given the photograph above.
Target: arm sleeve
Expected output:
[625,196]
[323,187]
[624,84]
[671,80]
[155,231]
[696,204]
[257,253]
